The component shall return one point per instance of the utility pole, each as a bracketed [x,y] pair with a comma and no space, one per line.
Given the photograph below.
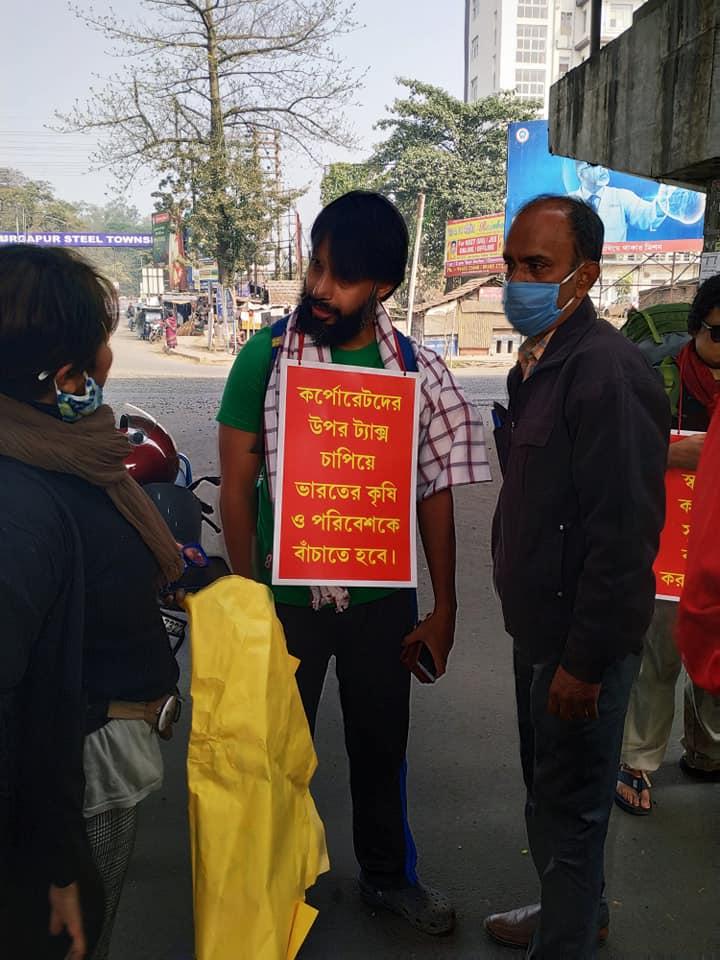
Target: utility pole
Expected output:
[278,222]
[595,27]
[416,256]
[298,245]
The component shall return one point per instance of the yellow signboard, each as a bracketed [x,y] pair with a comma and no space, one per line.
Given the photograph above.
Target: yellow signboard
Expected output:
[474,246]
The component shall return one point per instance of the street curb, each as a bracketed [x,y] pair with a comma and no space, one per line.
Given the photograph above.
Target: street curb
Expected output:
[210,360]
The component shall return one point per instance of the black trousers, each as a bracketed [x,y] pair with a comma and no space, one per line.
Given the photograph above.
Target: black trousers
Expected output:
[375,697]
[570,771]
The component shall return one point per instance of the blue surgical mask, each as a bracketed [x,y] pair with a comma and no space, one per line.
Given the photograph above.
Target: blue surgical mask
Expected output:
[72,408]
[532,307]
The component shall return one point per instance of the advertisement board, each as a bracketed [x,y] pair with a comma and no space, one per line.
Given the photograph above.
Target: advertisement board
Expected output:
[161,238]
[345,512]
[473,246]
[131,241]
[640,216]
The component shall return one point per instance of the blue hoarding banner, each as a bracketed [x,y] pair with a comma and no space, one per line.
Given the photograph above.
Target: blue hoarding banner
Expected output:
[132,241]
[640,216]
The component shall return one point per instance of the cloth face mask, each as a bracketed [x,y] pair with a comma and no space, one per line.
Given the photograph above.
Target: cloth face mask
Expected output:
[72,407]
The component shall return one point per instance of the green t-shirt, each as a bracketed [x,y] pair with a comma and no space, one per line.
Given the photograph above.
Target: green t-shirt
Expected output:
[242,408]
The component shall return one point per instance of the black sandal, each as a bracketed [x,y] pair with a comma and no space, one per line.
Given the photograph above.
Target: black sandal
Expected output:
[638,784]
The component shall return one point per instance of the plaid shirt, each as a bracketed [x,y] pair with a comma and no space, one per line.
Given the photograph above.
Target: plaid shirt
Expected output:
[451,449]
[530,352]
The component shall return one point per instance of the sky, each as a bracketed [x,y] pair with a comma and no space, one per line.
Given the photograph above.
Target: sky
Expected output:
[50,59]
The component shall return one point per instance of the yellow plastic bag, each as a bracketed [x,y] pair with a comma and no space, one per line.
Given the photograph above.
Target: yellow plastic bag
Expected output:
[257,840]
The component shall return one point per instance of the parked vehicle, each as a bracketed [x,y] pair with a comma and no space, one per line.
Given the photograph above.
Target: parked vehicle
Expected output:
[147,320]
[155,331]
[166,476]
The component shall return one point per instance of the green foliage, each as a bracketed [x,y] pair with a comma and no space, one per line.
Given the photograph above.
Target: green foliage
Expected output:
[117,216]
[32,205]
[454,152]
[341,178]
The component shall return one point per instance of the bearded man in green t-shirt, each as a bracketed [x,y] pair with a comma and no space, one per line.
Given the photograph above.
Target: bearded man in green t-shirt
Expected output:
[359,257]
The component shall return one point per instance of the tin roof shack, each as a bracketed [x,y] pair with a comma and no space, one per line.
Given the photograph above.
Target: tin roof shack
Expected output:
[467,322]
[677,293]
[284,293]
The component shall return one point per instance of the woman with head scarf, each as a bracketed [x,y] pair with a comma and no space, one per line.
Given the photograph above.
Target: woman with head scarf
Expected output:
[87,674]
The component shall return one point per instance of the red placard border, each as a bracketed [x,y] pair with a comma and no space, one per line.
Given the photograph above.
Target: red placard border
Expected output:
[279,514]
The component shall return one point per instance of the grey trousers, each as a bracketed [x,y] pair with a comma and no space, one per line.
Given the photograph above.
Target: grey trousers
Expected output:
[570,769]
[652,704]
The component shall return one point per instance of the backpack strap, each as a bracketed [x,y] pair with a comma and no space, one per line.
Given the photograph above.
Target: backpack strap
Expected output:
[672,381]
[277,335]
[407,354]
[651,326]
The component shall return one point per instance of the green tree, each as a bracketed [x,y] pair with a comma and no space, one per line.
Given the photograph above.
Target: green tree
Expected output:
[454,152]
[340,178]
[116,216]
[210,80]
[31,205]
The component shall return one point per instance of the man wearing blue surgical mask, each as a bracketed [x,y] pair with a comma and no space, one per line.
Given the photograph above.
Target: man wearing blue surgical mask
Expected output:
[583,447]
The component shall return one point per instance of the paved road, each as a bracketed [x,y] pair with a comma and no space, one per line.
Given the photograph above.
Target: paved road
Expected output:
[465,788]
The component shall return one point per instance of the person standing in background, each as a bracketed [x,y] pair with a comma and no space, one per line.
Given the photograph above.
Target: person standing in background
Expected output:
[583,447]
[652,702]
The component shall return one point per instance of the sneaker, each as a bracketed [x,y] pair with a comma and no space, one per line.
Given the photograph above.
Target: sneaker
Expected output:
[424,908]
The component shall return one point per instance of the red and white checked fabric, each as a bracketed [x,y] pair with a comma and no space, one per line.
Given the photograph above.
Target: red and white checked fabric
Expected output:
[451,450]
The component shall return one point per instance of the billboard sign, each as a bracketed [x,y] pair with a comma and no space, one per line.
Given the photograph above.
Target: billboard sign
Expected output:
[131,241]
[207,270]
[474,246]
[161,238]
[640,216]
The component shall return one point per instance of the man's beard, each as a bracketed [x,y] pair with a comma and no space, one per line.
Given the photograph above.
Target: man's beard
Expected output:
[346,327]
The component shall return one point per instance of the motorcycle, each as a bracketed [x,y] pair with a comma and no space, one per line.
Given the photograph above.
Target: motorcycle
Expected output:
[155,330]
[166,476]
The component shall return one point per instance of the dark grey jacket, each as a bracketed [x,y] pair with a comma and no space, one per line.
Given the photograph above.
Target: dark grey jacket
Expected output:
[583,452]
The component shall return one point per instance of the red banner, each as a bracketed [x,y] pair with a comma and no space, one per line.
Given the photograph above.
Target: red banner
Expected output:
[345,506]
[671,560]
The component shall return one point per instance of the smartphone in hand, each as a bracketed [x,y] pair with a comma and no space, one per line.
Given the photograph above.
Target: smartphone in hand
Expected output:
[426,664]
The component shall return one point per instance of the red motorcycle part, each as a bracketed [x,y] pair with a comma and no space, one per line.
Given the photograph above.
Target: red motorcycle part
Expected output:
[153,456]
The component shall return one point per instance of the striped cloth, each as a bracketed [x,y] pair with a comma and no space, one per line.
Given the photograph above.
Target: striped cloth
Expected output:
[452,449]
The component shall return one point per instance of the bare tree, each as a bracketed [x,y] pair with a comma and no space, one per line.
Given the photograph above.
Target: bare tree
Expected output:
[210,79]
